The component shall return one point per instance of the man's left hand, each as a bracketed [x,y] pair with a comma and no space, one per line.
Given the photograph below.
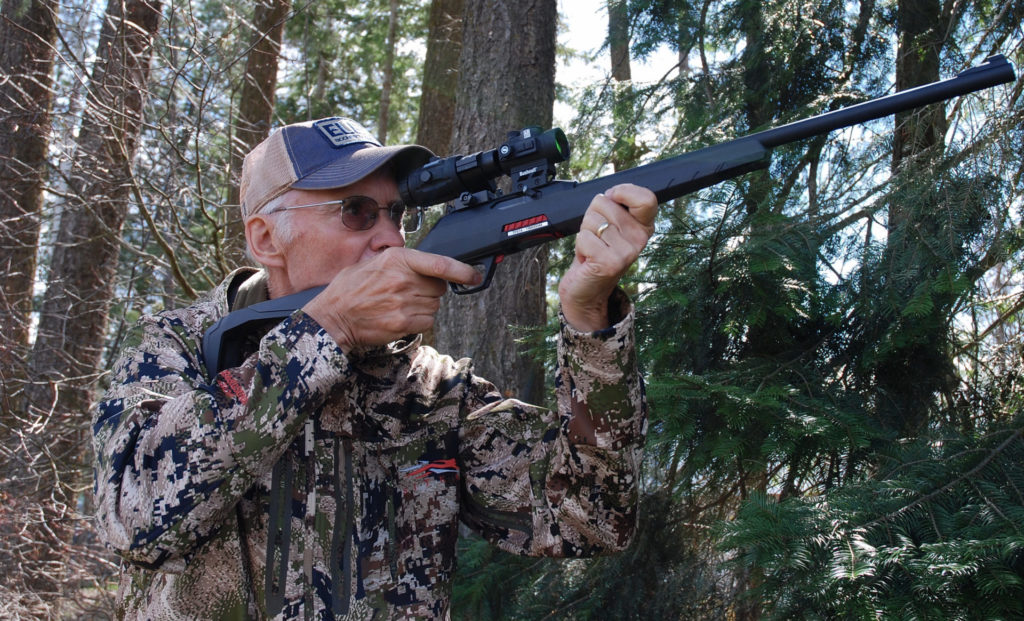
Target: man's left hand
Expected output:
[614,230]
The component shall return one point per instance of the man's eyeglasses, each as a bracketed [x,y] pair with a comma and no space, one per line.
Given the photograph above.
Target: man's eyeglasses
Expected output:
[360,213]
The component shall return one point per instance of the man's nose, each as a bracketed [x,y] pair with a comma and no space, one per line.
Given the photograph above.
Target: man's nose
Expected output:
[387,234]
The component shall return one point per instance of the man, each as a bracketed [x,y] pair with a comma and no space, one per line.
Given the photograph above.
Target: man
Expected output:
[325,476]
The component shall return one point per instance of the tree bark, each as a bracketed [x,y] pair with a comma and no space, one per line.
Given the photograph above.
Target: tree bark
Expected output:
[255,112]
[917,63]
[440,75]
[73,319]
[915,365]
[28,31]
[440,83]
[624,153]
[506,82]
[68,348]
[618,40]
[767,338]
[387,84]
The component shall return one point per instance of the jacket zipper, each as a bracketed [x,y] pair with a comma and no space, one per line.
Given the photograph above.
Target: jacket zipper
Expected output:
[392,535]
[278,534]
[341,544]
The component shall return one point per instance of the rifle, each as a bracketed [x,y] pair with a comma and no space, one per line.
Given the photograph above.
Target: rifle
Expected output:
[483,225]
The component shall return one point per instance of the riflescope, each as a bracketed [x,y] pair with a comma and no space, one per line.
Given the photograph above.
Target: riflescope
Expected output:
[444,179]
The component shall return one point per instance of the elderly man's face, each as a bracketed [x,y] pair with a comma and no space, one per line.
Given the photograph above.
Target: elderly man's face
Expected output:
[320,245]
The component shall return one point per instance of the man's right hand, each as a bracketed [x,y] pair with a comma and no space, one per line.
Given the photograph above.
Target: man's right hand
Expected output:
[380,300]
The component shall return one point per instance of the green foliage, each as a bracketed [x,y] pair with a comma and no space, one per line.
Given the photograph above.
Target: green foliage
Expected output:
[488,581]
[936,534]
[337,61]
[821,401]
[660,576]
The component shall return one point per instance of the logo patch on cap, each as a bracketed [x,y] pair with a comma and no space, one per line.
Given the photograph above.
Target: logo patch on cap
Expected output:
[341,132]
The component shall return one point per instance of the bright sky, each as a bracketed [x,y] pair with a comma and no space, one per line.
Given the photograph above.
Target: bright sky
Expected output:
[587,27]
[587,24]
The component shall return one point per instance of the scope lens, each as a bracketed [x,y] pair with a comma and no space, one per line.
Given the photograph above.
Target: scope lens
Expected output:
[561,143]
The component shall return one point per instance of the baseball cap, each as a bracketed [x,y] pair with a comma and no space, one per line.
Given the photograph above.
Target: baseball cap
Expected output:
[317,155]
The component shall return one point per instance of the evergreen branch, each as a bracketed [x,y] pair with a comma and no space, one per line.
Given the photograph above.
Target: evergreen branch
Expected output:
[813,152]
[993,506]
[946,487]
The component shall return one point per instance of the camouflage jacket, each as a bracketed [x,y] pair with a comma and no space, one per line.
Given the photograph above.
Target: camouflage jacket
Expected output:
[311,484]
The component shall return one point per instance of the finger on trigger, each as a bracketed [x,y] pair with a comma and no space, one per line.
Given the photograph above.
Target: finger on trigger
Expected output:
[445,268]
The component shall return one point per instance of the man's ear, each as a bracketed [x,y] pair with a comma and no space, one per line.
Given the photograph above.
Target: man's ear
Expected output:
[263,244]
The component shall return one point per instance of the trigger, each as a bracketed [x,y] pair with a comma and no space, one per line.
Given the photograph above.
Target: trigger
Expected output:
[488,266]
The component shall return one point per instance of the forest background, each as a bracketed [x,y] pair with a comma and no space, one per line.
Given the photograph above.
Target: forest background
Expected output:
[832,347]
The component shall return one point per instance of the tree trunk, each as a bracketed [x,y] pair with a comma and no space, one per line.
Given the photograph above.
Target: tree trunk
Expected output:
[917,63]
[255,111]
[389,74]
[624,153]
[618,40]
[28,31]
[915,363]
[81,281]
[440,82]
[506,82]
[768,337]
[73,320]
[72,325]
[440,75]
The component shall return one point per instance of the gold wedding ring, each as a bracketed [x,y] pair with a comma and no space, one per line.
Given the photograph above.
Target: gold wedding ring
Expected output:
[601,229]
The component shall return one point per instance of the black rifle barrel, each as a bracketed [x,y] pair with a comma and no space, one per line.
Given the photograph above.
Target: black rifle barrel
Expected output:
[995,70]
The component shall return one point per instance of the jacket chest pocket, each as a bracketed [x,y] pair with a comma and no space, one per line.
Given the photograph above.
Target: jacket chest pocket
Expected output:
[424,507]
